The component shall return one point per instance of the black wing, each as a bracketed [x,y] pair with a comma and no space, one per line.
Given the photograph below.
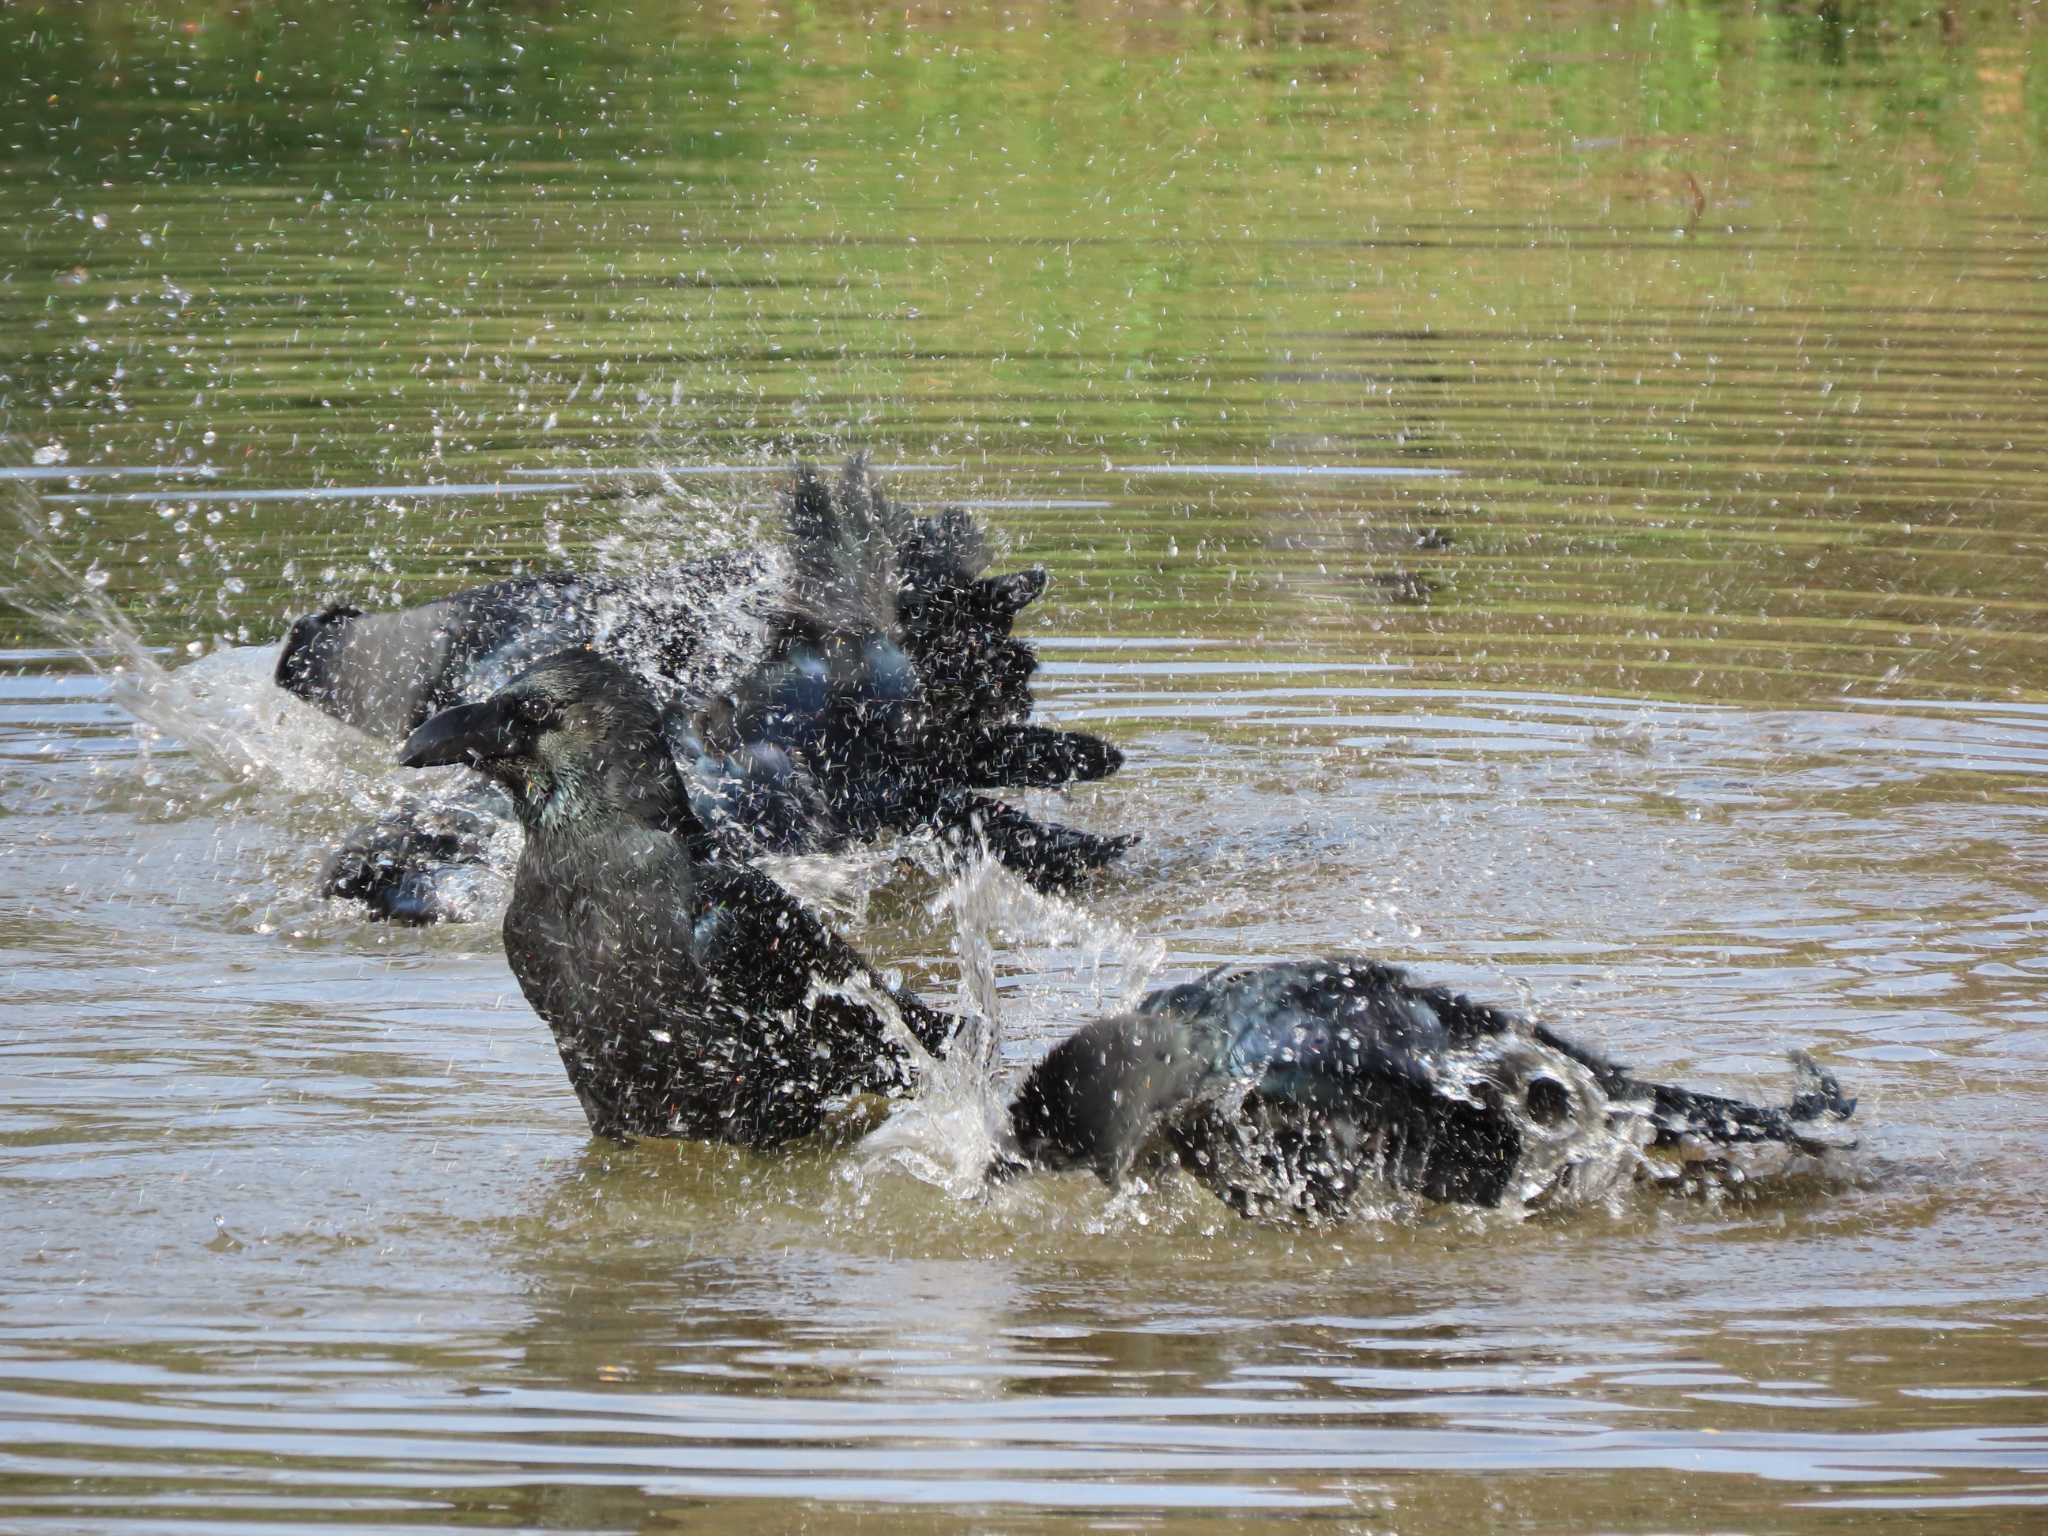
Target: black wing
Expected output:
[765,950]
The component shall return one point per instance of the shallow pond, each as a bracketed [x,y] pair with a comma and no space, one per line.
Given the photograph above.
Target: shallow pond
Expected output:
[1554,499]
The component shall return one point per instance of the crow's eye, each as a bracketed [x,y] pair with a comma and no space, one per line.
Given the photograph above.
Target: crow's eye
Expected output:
[535,710]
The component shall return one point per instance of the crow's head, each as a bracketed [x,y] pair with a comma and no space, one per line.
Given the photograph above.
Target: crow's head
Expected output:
[575,738]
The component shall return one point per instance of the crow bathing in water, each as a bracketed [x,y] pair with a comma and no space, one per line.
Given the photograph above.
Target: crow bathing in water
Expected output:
[693,998]
[688,997]
[863,680]
[1303,1084]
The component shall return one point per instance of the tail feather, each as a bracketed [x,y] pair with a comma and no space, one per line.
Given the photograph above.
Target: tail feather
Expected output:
[1679,1113]
[1819,1093]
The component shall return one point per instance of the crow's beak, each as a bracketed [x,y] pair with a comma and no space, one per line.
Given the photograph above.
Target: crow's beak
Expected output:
[468,733]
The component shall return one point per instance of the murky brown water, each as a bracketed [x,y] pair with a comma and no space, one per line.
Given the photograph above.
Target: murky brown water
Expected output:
[1557,500]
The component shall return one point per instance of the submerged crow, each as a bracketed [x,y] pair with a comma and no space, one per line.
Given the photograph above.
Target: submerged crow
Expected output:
[688,997]
[1303,1084]
[862,679]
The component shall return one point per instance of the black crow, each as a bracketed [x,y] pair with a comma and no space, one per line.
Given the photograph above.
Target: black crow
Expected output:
[689,996]
[863,679]
[1304,1084]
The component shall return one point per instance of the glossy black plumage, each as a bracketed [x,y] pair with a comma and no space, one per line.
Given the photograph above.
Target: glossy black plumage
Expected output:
[688,996]
[1302,1084]
[863,680]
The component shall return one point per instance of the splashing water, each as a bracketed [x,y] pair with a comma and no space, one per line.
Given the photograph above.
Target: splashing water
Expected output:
[221,706]
[949,1134]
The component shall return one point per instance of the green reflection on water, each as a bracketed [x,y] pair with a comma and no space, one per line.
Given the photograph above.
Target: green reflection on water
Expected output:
[1728,317]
